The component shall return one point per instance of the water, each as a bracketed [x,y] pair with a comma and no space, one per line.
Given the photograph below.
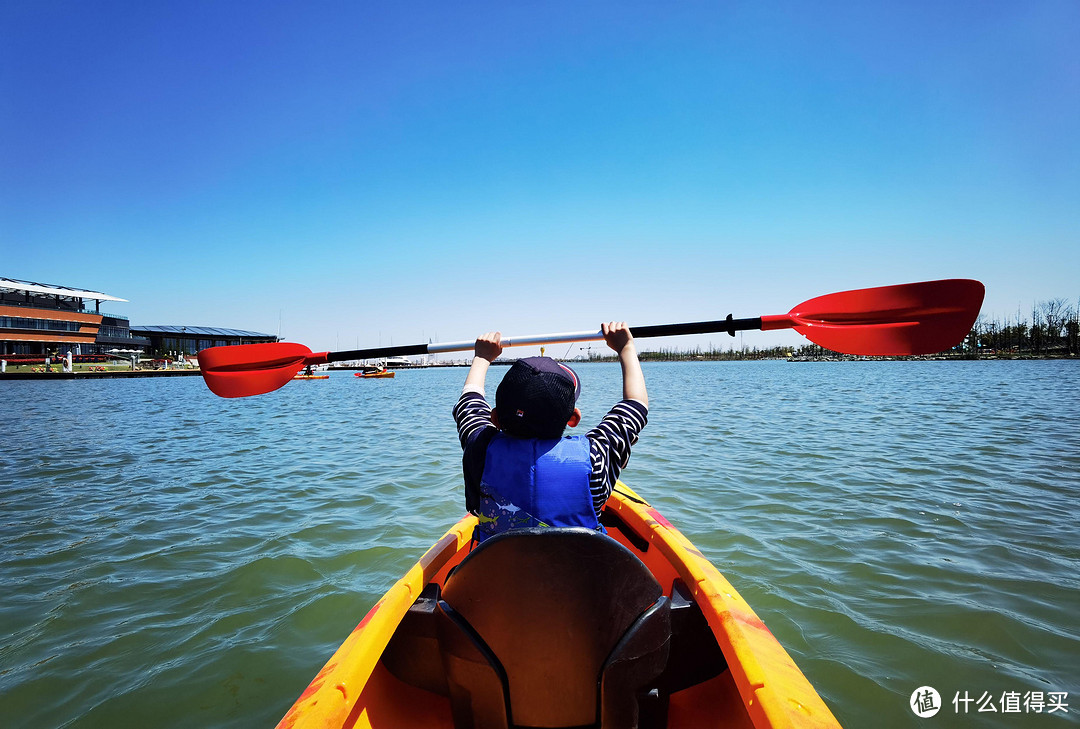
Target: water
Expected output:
[174,559]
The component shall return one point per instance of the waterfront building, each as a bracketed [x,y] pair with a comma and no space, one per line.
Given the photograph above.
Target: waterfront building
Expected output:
[189,340]
[39,320]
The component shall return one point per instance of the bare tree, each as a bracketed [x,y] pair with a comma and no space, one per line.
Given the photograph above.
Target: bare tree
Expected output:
[1055,312]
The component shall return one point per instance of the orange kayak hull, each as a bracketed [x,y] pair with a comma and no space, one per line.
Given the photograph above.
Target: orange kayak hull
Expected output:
[759,687]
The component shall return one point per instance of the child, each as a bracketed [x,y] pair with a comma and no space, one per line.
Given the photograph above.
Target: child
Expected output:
[519,469]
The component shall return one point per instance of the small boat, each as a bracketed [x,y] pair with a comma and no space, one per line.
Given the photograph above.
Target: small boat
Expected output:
[562,627]
[312,372]
[376,373]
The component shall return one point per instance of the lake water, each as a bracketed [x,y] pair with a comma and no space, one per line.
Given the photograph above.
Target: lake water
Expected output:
[174,559]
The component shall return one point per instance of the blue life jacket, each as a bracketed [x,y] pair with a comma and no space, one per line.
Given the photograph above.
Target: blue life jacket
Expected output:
[529,482]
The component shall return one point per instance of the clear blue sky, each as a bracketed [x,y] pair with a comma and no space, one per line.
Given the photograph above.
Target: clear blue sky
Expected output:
[368,172]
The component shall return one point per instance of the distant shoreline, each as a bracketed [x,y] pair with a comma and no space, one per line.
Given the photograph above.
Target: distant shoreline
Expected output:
[128,374]
[121,374]
[763,358]
[835,357]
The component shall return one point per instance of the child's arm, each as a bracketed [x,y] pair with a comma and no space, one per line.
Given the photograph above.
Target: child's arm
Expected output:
[472,413]
[488,347]
[618,337]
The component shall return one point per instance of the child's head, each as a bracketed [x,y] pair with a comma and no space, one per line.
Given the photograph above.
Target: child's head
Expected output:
[537,398]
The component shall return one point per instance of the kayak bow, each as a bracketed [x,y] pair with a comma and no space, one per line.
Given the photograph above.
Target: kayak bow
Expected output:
[650,634]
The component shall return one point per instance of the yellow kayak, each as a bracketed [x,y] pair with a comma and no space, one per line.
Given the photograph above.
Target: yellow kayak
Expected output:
[562,628]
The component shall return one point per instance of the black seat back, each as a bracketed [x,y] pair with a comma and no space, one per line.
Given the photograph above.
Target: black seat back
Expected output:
[549,611]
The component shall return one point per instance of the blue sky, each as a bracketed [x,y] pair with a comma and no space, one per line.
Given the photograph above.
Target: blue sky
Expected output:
[361,173]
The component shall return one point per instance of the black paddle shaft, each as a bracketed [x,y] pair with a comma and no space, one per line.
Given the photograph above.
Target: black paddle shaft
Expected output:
[728,325]
[378,352]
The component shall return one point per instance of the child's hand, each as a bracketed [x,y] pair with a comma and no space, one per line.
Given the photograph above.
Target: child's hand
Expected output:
[617,335]
[489,346]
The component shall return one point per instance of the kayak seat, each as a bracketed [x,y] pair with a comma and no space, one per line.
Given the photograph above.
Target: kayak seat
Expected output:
[552,627]
[695,655]
[413,654]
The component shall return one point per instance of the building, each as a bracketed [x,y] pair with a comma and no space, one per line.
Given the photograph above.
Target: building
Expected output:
[165,340]
[39,320]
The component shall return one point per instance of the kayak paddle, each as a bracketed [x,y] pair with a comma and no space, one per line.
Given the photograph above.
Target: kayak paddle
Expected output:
[914,318]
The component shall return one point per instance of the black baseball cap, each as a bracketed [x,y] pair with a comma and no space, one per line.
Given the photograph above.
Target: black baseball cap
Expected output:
[536,398]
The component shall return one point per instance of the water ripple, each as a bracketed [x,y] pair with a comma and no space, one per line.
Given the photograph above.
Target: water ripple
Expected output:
[175,559]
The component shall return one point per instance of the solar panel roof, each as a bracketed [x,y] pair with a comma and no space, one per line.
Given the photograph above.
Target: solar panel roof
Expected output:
[200,331]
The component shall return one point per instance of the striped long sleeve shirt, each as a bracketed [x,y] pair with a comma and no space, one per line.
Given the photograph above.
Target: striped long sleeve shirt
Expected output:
[609,444]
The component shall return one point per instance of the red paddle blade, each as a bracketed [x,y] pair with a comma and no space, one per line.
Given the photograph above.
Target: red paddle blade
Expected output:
[915,318]
[252,369]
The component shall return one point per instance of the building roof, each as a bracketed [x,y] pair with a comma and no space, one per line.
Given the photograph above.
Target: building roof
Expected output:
[53,290]
[200,331]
